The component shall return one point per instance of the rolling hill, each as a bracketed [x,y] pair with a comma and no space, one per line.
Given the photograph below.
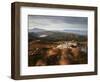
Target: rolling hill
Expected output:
[45,35]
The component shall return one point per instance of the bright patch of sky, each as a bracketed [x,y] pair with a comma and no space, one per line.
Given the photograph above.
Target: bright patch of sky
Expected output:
[57,22]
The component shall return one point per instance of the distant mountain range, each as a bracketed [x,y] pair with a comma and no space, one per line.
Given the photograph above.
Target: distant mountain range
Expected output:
[45,35]
[80,32]
[36,30]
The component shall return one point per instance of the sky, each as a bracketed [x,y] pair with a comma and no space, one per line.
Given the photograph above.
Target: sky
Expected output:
[57,22]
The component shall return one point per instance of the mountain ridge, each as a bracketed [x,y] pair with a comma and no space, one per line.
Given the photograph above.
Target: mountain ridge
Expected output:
[38,30]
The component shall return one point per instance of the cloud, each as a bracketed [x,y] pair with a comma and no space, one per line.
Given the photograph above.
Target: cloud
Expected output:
[57,22]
